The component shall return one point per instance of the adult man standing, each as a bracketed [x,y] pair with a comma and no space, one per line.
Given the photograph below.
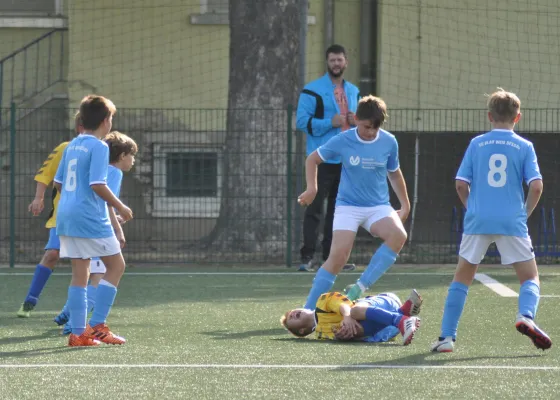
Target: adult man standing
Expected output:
[326,107]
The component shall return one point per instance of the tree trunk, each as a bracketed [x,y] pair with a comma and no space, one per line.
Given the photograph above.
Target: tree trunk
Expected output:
[263,81]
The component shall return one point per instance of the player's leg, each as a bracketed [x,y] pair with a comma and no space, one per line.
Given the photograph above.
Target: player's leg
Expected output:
[97,272]
[519,252]
[472,251]
[341,246]
[312,220]
[385,223]
[105,297]
[42,273]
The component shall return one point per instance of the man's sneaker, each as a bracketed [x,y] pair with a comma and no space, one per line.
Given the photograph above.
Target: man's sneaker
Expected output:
[25,310]
[349,267]
[308,266]
[82,340]
[412,305]
[61,318]
[528,328]
[443,345]
[408,327]
[353,292]
[102,333]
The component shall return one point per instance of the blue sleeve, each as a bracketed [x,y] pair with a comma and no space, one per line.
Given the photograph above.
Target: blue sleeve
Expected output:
[114,180]
[99,164]
[332,149]
[531,169]
[393,161]
[59,177]
[465,172]
[305,120]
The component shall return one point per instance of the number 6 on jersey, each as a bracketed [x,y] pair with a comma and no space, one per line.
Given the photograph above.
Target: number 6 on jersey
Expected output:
[70,184]
[497,164]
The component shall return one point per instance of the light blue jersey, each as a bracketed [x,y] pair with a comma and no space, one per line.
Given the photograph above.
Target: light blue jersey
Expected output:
[363,182]
[81,213]
[114,179]
[495,165]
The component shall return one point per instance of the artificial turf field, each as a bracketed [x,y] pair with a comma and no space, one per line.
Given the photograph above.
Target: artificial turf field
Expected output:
[213,333]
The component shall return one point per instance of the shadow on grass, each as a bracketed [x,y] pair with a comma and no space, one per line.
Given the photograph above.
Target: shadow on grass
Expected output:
[226,335]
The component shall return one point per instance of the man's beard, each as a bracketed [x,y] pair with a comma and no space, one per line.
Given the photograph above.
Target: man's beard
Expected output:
[335,74]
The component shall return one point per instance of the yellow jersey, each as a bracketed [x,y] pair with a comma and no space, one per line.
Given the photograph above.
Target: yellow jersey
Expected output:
[327,314]
[46,175]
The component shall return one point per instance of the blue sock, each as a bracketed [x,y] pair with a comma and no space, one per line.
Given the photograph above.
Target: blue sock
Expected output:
[77,303]
[322,283]
[91,293]
[382,316]
[38,282]
[529,296]
[106,293]
[454,304]
[381,261]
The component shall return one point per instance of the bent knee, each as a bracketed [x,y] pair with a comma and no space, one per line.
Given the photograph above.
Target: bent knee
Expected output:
[50,258]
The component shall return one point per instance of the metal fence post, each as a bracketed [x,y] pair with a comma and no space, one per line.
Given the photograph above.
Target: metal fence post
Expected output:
[12,185]
[289,191]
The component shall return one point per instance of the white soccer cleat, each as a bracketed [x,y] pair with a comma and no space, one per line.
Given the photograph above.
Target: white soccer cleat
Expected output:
[444,346]
[527,327]
[408,327]
[412,305]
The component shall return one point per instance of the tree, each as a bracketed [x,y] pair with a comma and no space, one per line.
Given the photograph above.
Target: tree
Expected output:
[263,81]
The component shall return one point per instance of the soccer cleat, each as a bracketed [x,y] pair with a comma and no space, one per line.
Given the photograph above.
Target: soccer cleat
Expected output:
[353,292]
[408,327]
[61,318]
[412,305]
[527,327]
[349,267]
[102,333]
[25,310]
[444,345]
[82,340]
[67,329]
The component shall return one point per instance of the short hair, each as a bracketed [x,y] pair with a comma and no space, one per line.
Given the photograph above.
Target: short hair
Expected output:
[503,106]
[295,332]
[372,109]
[335,49]
[119,143]
[78,122]
[94,110]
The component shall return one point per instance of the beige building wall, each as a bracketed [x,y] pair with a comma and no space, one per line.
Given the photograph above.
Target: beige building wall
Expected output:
[447,57]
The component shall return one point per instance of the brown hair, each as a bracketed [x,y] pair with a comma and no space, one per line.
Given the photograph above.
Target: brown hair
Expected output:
[372,109]
[503,106]
[94,110]
[78,126]
[295,332]
[119,143]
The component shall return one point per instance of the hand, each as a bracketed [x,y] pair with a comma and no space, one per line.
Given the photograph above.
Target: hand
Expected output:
[342,333]
[351,118]
[337,121]
[307,197]
[125,213]
[351,325]
[120,220]
[36,207]
[403,213]
[120,238]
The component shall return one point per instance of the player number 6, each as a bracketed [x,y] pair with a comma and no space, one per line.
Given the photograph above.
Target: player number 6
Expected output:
[70,185]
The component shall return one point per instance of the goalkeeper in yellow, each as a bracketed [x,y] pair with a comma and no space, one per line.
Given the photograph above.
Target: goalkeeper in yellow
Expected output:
[372,319]
[43,270]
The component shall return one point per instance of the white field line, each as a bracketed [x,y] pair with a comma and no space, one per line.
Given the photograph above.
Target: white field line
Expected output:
[232,273]
[277,366]
[495,286]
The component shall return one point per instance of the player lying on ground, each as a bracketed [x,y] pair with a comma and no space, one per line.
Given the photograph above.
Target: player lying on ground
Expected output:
[122,150]
[490,185]
[373,318]
[43,270]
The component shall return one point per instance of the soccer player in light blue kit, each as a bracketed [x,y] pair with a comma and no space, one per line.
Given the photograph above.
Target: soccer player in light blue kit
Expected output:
[369,156]
[490,185]
[86,226]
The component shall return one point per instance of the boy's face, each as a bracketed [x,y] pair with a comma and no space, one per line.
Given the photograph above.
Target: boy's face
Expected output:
[107,124]
[366,129]
[298,319]
[126,162]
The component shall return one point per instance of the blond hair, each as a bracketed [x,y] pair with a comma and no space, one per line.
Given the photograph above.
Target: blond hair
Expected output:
[503,106]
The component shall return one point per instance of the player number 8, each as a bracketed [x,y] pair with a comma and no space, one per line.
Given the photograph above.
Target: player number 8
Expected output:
[70,185]
[497,164]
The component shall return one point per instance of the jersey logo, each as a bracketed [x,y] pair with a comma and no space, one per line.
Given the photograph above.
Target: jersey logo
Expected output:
[354,160]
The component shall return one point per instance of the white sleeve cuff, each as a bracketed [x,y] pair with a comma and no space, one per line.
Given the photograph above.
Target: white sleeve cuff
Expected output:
[57,181]
[460,178]
[97,183]
[320,155]
[534,179]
